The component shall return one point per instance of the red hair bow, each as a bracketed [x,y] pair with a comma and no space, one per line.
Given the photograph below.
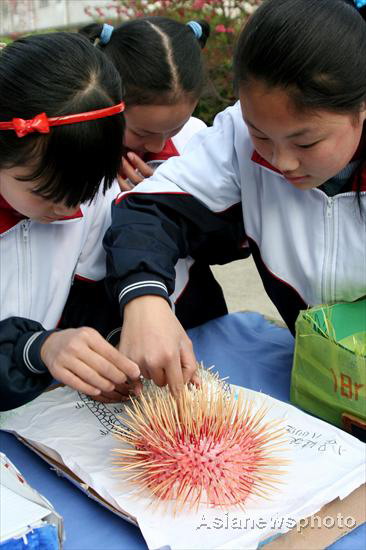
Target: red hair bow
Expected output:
[37,124]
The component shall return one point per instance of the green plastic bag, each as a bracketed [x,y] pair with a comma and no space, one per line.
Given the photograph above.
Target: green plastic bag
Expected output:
[329,371]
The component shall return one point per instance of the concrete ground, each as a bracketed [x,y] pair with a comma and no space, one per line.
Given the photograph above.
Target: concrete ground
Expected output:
[243,289]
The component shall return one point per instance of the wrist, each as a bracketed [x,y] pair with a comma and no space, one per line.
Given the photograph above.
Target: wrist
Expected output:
[145,301]
[44,347]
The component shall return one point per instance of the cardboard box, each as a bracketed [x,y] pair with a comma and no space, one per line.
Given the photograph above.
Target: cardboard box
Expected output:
[313,534]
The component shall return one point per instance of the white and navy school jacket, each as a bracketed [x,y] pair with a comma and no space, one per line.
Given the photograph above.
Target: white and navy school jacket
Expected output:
[309,248]
[38,264]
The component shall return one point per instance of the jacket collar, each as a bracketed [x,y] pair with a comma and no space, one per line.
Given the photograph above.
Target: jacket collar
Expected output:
[260,160]
[168,151]
[8,216]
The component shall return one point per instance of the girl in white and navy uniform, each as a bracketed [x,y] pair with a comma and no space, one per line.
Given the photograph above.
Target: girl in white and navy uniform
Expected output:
[291,154]
[61,128]
[161,66]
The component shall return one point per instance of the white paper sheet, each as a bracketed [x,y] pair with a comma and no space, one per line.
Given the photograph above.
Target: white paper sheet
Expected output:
[326,463]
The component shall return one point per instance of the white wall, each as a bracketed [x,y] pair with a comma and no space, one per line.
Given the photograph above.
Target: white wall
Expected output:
[18,16]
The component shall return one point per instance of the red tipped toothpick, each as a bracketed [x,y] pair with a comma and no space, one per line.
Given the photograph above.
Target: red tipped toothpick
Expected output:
[209,446]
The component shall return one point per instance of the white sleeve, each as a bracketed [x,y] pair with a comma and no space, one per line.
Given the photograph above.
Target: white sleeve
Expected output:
[92,260]
[208,169]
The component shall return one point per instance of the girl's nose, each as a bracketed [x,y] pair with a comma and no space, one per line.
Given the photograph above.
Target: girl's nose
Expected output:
[284,160]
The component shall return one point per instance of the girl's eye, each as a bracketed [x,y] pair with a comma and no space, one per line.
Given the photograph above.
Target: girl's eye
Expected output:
[135,133]
[39,196]
[308,145]
[261,138]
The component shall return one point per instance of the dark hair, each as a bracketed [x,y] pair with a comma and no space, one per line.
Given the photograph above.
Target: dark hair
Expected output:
[159,59]
[61,74]
[314,49]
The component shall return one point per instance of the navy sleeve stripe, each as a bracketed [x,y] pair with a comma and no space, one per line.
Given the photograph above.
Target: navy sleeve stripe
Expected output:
[113,333]
[26,353]
[135,286]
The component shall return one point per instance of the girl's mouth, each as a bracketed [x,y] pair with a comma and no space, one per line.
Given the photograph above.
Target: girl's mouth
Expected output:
[296,179]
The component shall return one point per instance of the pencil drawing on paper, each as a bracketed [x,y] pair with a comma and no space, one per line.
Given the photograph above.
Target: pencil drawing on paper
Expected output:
[107,418]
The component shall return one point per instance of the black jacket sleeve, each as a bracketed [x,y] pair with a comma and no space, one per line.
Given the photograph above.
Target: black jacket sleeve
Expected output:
[150,232]
[23,375]
[90,305]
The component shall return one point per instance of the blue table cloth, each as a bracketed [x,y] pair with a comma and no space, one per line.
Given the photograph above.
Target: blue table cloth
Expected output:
[244,346]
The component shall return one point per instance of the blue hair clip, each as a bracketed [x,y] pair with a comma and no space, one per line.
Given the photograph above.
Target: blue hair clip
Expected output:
[106,34]
[196,28]
[360,3]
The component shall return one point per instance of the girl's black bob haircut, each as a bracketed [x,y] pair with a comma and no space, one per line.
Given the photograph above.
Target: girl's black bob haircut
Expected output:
[61,74]
[159,59]
[314,49]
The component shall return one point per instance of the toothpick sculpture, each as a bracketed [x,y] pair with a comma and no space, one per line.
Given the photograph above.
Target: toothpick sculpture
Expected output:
[209,446]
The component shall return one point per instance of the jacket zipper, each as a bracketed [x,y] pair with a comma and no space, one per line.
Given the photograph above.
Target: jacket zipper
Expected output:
[327,286]
[27,299]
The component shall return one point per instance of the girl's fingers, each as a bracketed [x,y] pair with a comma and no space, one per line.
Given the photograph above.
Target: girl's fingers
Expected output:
[157,375]
[67,377]
[145,170]
[97,360]
[120,367]
[188,361]
[124,185]
[88,356]
[88,374]
[124,389]
[174,376]
[113,396]
[137,388]
[130,172]
[103,398]
[121,393]
[196,380]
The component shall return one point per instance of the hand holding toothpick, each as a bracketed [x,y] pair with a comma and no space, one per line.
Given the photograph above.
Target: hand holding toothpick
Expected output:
[153,338]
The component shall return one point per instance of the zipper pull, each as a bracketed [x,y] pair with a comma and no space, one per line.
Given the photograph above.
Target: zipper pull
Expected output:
[25,229]
[330,201]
